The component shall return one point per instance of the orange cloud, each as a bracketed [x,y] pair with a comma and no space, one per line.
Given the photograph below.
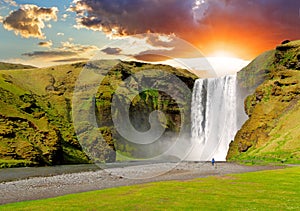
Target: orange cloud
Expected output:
[151,57]
[248,28]
[245,28]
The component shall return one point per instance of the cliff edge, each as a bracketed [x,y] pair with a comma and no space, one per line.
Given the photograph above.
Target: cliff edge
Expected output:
[272,132]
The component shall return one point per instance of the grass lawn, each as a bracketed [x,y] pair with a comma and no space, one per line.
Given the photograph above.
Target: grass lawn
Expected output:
[265,190]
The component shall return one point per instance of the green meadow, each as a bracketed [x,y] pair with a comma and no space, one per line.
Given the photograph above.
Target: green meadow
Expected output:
[263,190]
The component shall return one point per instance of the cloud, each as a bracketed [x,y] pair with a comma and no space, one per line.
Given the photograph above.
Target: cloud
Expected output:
[128,17]
[46,44]
[151,57]
[77,48]
[253,13]
[112,51]
[181,49]
[257,24]
[64,17]
[208,24]
[66,52]
[180,17]
[152,47]
[71,60]
[60,34]
[29,20]
[11,2]
[50,54]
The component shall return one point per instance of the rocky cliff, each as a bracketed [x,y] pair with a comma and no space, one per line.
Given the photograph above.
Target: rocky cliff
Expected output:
[36,124]
[272,132]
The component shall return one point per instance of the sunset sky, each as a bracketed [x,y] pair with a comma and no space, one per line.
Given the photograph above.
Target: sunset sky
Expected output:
[50,32]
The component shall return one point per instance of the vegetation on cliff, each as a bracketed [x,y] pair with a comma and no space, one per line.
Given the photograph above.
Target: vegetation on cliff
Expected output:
[272,132]
[130,92]
[36,126]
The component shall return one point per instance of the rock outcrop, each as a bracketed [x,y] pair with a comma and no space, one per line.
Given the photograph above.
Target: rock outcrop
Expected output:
[272,132]
[36,123]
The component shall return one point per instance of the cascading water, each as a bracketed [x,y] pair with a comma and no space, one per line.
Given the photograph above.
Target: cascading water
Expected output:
[214,117]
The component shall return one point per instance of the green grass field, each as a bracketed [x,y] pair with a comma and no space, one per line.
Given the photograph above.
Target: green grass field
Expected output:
[264,190]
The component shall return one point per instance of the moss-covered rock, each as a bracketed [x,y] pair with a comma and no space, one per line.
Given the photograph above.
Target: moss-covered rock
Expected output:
[22,140]
[36,124]
[119,90]
[272,131]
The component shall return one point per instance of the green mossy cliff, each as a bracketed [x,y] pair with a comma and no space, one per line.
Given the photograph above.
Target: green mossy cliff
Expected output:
[272,132]
[36,124]
[130,92]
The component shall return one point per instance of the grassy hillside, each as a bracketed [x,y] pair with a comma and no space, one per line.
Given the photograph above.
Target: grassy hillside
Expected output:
[272,132]
[10,66]
[36,125]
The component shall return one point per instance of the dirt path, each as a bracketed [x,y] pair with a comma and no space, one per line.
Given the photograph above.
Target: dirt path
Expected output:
[47,186]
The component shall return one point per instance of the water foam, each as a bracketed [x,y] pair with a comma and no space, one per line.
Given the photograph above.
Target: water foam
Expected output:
[214,117]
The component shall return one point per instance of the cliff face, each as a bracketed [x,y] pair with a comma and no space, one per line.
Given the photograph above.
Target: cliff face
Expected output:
[35,118]
[272,132]
[36,125]
[126,97]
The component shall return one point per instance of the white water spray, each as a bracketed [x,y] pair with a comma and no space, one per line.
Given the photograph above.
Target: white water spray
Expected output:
[214,117]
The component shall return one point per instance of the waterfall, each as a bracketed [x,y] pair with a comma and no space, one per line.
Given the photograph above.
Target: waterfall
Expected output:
[214,117]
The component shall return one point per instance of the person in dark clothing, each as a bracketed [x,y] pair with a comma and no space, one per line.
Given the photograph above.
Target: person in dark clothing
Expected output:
[213,162]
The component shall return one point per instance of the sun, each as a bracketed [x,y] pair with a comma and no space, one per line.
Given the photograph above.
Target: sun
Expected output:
[225,63]
[222,54]
[218,64]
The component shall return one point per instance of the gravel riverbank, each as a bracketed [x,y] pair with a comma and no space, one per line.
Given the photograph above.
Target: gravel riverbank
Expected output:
[35,186]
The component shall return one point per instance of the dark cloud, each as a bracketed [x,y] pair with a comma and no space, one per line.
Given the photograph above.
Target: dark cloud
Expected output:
[71,60]
[46,44]
[49,54]
[134,16]
[67,49]
[66,52]
[270,15]
[29,20]
[174,16]
[151,57]
[249,27]
[260,24]
[112,51]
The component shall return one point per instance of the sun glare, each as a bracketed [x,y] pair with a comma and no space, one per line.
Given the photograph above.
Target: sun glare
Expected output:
[222,54]
[225,62]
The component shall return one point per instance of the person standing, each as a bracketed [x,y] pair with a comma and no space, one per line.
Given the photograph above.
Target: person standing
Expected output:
[213,162]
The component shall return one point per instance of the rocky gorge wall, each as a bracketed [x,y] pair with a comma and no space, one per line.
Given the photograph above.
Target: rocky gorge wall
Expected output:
[36,123]
[272,132]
